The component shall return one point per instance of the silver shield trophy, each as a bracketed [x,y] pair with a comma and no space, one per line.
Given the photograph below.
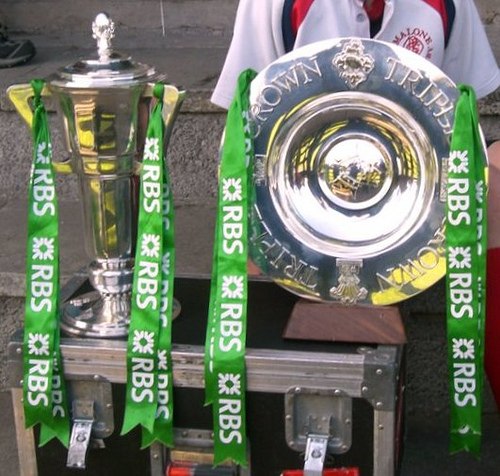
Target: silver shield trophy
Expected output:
[104,105]
[351,145]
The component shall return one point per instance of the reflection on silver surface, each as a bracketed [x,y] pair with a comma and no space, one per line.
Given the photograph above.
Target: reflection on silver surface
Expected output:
[350,140]
[352,174]
[104,103]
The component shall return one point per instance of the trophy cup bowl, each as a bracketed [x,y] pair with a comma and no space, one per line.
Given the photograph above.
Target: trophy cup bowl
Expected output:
[104,104]
[351,144]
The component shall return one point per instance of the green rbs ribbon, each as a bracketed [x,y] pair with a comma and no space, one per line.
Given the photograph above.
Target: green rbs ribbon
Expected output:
[149,373]
[466,274]
[163,429]
[43,385]
[225,376]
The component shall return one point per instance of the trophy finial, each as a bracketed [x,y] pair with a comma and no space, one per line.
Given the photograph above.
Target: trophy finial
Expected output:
[103,29]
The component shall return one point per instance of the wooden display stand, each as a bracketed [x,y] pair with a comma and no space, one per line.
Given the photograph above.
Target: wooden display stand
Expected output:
[333,322]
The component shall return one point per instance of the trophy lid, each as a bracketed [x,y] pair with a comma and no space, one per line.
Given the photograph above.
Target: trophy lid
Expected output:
[109,68]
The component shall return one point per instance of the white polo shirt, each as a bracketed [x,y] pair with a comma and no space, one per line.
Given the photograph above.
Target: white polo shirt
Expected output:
[414,24]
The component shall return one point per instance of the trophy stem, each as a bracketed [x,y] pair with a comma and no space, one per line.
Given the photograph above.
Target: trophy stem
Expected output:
[97,315]
[104,312]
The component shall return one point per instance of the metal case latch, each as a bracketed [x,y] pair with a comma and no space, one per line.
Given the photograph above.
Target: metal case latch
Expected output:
[314,460]
[92,417]
[317,421]
[83,418]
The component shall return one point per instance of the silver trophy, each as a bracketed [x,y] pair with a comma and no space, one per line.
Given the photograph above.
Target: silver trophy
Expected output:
[351,144]
[104,105]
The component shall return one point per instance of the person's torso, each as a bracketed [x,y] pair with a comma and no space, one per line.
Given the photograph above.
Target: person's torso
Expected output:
[417,25]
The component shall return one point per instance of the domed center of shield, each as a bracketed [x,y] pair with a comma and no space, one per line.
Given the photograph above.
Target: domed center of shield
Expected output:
[355,173]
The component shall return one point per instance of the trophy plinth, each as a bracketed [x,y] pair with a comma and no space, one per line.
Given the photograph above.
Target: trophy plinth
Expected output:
[94,314]
[335,322]
[104,312]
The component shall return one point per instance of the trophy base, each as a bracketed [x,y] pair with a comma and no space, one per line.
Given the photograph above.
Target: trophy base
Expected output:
[100,316]
[94,315]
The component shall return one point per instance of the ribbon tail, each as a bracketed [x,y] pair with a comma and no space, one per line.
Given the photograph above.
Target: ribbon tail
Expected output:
[224,452]
[46,434]
[135,416]
[164,434]
[57,429]
[472,445]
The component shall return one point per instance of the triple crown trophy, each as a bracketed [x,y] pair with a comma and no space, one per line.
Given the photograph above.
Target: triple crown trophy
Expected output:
[369,175]
[104,105]
[352,138]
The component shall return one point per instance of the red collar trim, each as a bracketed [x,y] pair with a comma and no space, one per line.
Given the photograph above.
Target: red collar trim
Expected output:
[375,10]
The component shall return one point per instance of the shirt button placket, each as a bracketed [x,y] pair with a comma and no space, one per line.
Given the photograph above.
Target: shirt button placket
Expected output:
[362,23]
[360,17]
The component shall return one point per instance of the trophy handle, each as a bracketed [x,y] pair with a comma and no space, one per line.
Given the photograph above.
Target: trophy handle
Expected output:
[172,101]
[21,95]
